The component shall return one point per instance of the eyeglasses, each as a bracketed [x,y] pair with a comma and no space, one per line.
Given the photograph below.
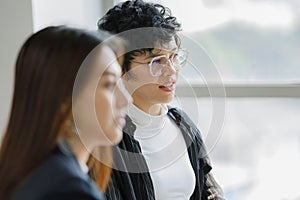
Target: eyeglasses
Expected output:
[159,64]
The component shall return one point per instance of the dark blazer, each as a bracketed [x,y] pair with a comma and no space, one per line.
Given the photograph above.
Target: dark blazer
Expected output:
[126,183]
[59,177]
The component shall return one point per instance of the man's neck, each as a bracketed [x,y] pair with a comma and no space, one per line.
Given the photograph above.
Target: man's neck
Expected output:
[153,109]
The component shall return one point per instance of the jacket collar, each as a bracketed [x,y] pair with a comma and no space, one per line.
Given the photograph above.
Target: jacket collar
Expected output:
[64,147]
[174,114]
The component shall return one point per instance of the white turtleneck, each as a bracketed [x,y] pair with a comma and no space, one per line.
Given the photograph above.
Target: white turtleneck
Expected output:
[165,151]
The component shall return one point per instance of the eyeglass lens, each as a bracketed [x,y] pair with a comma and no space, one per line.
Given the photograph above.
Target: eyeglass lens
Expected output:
[157,64]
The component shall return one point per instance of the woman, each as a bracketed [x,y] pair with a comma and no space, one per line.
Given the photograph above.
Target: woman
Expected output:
[43,154]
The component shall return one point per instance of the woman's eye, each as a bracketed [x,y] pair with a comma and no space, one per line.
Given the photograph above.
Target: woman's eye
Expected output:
[110,85]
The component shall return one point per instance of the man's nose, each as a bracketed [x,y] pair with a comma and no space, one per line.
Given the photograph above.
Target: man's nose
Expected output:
[170,69]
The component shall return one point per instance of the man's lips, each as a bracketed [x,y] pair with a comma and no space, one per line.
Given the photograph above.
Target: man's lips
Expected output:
[170,86]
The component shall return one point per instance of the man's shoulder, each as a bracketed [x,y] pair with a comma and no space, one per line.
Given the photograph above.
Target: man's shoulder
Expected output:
[181,116]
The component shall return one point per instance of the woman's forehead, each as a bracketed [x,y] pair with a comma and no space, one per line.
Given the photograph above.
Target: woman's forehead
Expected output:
[105,63]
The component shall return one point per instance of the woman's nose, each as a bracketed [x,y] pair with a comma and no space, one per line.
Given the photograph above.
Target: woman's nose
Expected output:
[123,97]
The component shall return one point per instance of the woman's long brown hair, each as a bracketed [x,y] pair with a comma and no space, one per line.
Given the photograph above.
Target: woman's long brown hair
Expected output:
[46,69]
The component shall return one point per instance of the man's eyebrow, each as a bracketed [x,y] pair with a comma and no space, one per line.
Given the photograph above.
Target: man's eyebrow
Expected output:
[160,54]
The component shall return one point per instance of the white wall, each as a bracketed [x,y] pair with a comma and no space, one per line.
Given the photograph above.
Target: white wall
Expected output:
[79,13]
[16,25]
[19,19]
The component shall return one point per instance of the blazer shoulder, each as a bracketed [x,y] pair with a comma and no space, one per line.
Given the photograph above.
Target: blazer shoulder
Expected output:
[59,175]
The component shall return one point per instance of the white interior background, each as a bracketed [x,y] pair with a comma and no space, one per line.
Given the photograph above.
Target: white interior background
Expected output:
[258,154]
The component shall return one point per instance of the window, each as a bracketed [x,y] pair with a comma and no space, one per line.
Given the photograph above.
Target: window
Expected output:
[249,49]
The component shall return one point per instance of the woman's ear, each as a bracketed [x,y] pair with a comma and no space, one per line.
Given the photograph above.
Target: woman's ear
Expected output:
[65,111]
[120,60]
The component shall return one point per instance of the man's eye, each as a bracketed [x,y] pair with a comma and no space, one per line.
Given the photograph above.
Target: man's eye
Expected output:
[175,55]
[156,61]
[159,61]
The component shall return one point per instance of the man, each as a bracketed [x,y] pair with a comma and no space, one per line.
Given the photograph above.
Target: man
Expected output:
[166,157]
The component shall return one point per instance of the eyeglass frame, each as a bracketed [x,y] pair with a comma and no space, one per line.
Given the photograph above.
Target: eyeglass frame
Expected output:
[169,59]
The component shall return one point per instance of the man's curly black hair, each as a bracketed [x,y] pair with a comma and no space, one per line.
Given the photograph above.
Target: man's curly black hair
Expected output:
[136,14]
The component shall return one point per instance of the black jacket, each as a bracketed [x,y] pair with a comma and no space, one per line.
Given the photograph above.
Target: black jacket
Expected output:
[130,177]
[58,178]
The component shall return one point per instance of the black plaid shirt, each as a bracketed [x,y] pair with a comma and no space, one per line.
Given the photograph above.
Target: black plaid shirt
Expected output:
[138,186]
